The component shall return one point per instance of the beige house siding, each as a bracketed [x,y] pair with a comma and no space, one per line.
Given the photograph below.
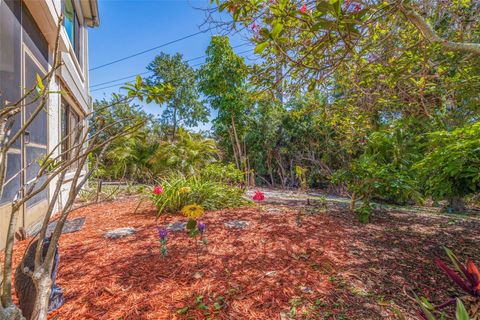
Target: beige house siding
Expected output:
[72,78]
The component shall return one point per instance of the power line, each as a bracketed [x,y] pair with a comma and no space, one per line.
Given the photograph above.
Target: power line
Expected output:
[151,49]
[139,74]
[118,84]
[124,78]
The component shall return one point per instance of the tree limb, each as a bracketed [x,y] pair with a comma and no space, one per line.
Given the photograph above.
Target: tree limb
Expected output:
[431,36]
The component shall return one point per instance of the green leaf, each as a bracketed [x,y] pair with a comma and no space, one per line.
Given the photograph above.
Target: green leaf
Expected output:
[337,6]
[191,224]
[202,306]
[138,82]
[277,28]
[461,313]
[183,310]
[40,83]
[260,47]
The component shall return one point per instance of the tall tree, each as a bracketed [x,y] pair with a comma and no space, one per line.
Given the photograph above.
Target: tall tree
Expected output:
[184,106]
[223,81]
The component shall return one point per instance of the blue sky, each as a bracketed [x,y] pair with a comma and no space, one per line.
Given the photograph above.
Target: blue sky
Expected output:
[128,27]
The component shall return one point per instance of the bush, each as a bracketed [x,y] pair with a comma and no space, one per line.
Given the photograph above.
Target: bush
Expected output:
[451,169]
[228,174]
[179,191]
[384,170]
[188,154]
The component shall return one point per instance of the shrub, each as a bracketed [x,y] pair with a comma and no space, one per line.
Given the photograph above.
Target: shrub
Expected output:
[451,169]
[467,279]
[188,154]
[180,191]
[228,174]
[383,171]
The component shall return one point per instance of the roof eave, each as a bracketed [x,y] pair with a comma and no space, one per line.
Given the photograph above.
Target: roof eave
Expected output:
[90,12]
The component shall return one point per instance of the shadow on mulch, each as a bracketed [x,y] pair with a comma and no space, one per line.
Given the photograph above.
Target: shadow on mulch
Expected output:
[329,268]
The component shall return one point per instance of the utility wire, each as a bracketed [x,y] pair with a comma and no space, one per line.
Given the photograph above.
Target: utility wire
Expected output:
[142,73]
[118,84]
[151,49]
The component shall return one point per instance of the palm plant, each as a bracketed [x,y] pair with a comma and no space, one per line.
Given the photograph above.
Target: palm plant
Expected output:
[129,158]
[187,154]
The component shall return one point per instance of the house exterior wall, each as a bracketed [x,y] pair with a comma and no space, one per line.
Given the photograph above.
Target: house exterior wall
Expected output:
[71,79]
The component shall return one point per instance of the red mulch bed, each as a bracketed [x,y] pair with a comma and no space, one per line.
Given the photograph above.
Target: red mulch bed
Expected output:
[320,266]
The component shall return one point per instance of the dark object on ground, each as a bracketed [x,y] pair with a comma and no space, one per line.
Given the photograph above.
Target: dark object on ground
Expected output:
[119,233]
[25,287]
[70,226]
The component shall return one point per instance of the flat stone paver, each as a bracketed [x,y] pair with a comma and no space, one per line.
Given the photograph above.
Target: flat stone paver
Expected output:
[120,233]
[236,224]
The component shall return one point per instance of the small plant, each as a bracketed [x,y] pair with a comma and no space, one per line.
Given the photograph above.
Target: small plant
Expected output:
[467,278]
[178,191]
[162,238]
[202,227]
[363,213]
[301,174]
[193,212]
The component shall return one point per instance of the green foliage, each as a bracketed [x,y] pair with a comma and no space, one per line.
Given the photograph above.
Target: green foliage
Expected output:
[384,170]
[127,157]
[188,154]
[227,174]
[180,191]
[363,213]
[451,167]
[183,106]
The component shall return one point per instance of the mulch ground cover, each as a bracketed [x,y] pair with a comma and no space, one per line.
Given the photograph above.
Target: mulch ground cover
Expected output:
[288,263]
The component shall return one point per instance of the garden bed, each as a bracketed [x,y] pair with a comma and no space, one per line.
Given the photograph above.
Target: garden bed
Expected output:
[288,262]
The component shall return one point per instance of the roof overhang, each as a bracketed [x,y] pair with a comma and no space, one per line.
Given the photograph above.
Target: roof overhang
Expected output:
[90,12]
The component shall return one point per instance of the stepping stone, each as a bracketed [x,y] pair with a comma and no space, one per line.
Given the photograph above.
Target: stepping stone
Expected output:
[236,224]
[119,233]
[177,226]
[70,226]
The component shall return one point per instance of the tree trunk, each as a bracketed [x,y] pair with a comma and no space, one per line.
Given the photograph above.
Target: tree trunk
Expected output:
[99,190]
[6,297]
[237,142]
[457,204]
[43,286]
[11,313]
[174,123]
[353,202]
[234,148]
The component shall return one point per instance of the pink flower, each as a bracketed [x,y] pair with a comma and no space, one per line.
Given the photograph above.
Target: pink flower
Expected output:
[357,7]
[258,196]
[157,190]
[303,9]
[254,27]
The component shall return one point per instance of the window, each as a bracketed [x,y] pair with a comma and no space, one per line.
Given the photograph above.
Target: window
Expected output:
[69,121]
[72,26]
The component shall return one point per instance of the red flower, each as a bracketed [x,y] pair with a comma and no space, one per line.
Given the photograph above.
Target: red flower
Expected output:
[303,9]
[254,27]
[157,190]
[357,7]
[232,8]
[258,196]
